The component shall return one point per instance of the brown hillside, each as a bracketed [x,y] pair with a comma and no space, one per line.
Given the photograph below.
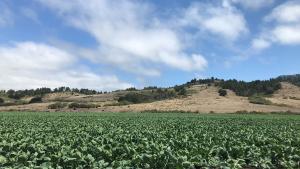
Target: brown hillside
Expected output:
[206,99]
[289,95]
[201,98]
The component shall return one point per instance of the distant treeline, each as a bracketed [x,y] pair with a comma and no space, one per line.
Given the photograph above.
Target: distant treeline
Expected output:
[208,81]
[17,94]
[258,87]
[242,88]
[294,79]
[151,94]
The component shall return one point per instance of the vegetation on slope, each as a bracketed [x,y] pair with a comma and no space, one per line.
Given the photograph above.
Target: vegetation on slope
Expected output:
[36,100]
[294,79]
[57,105]
[17,94]
[222,92]
[82,105]
[145,97]
[259,100]
[154,93]
[241,88]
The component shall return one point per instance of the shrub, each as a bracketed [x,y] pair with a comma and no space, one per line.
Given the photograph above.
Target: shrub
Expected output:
[180,90]
[259,100]
[155,95]
[57,105]
[82,105]
[131,89]
[35,100]
[242,112]
[222,92]
[1,100]
[14,103]
[135,98]
[163,94]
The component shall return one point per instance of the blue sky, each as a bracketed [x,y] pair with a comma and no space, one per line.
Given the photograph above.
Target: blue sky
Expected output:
[112,44]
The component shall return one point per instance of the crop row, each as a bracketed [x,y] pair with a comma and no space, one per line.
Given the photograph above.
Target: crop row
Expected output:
[148,141]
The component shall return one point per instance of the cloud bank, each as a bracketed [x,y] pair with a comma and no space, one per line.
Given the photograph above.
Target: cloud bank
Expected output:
[129,35]
[29,65]
[283,26]
[138,38]
[222,20]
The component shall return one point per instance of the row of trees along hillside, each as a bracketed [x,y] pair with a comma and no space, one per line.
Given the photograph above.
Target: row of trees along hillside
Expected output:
[17,94]
[294,79]
[241,88]
[211,80]
[258,87]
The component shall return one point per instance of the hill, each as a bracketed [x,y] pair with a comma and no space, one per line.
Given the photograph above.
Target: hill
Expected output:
[279,94]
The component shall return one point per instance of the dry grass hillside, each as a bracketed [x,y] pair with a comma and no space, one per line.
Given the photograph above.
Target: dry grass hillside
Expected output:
[289,95]
[200,98]
[206,99]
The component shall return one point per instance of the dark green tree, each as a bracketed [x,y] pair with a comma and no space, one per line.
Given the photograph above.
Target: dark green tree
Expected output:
[36,100]
[1,100]
[222,92]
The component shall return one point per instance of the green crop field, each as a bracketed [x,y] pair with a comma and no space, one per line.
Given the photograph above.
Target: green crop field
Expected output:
[140,140]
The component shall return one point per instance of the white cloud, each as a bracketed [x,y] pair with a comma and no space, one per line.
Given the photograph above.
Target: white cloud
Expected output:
[254,4]
[287,34]
[6,16]
[129,36]
[219,19]
[288,12]
[260,43]
[30,65]
[283,26]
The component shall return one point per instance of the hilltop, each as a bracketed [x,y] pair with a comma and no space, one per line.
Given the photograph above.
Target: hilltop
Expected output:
[281,94]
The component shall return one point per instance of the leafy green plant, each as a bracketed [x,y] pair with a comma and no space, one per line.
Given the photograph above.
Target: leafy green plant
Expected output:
[148,140]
